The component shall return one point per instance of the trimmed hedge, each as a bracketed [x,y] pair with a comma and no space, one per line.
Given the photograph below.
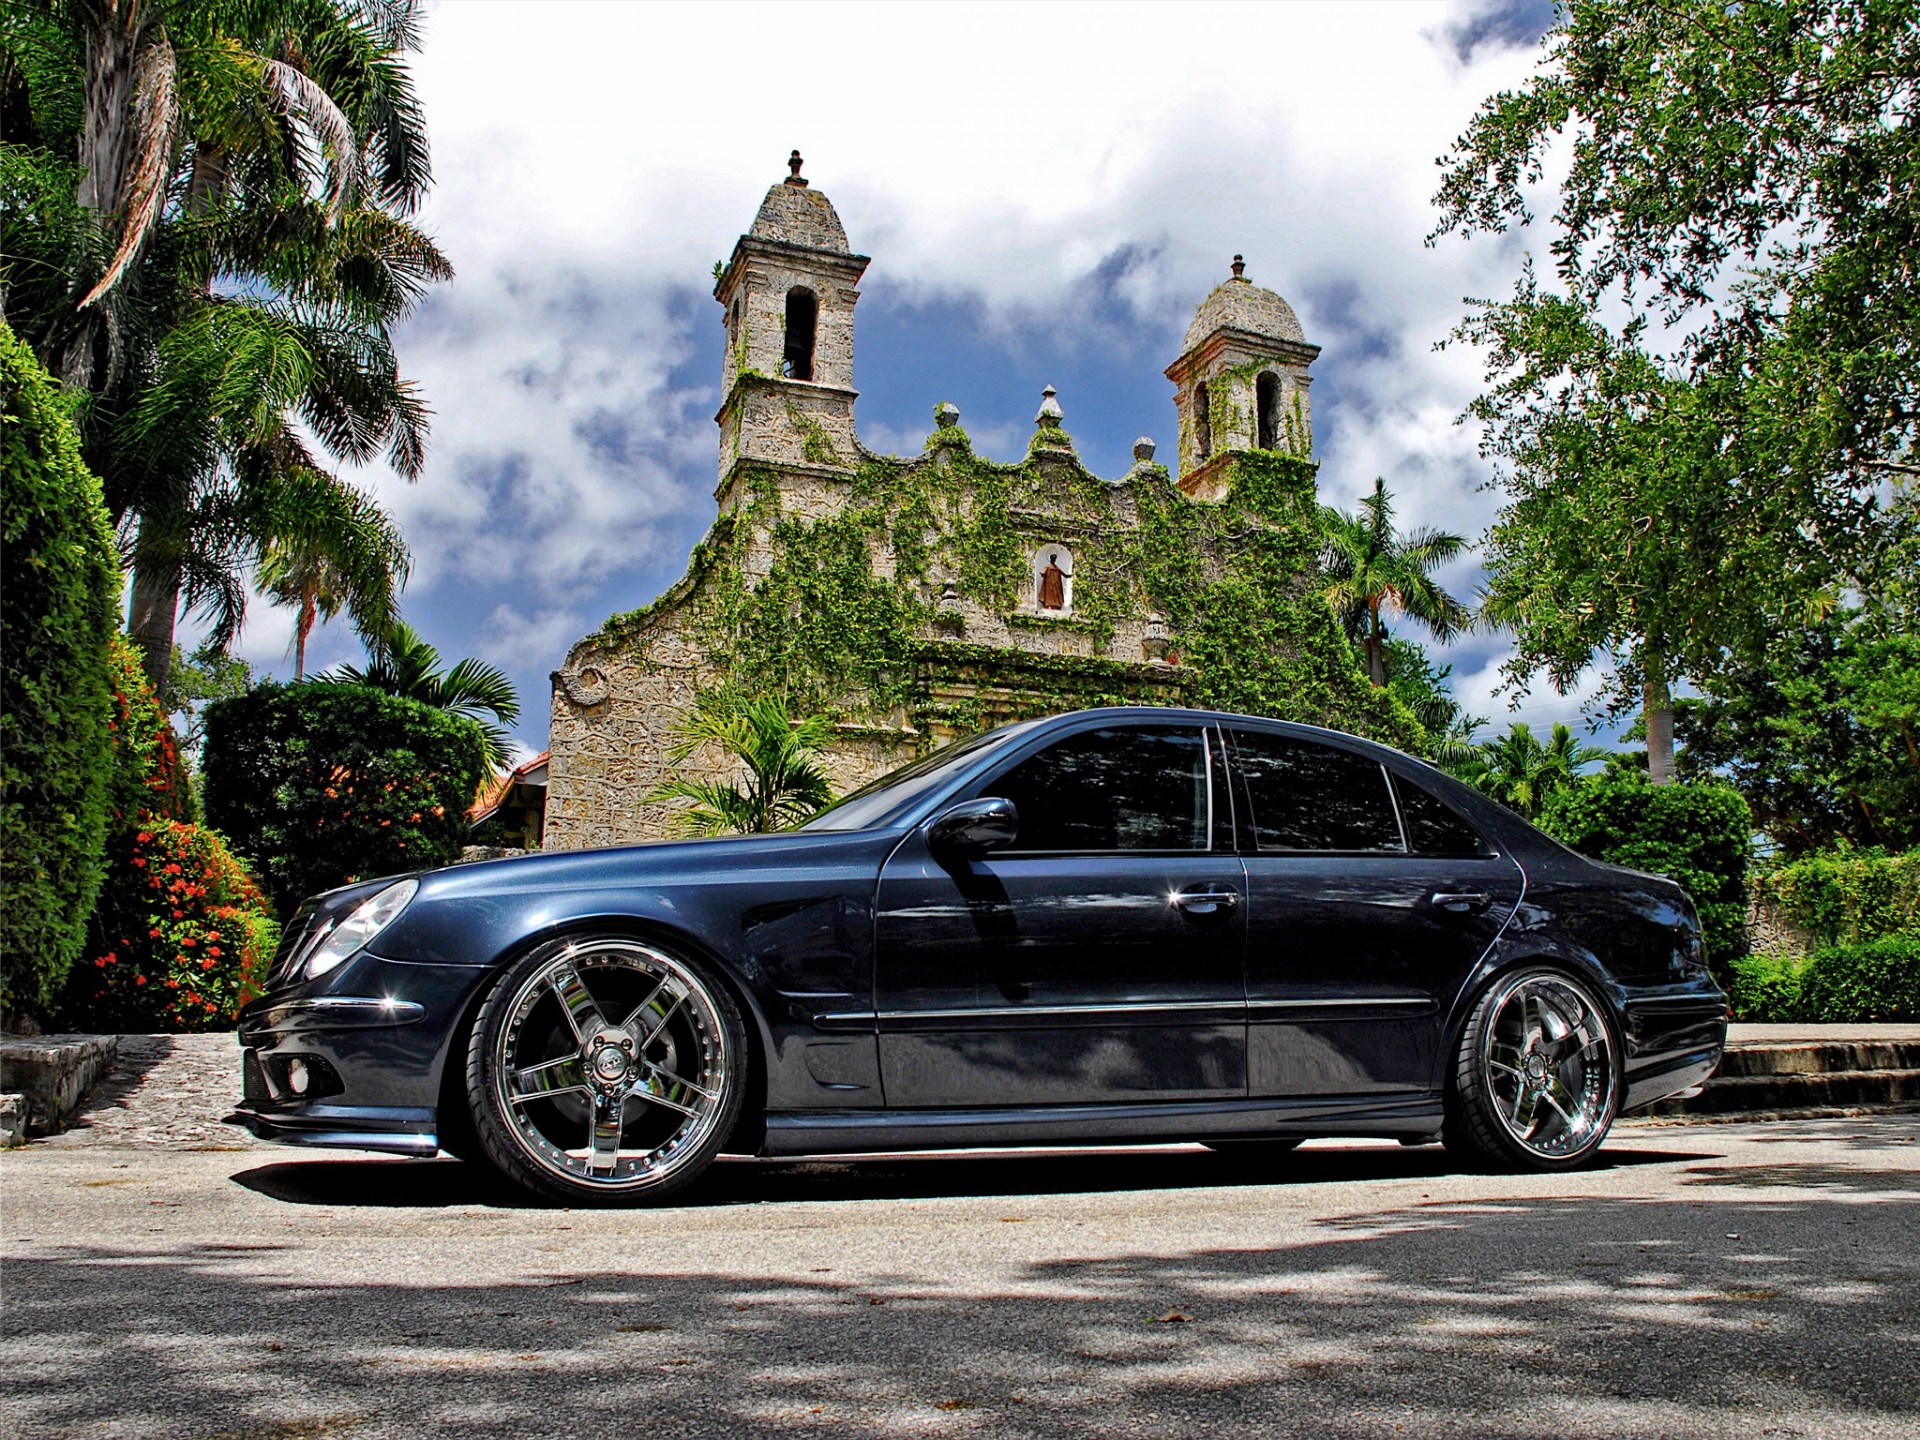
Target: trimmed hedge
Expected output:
[1842,896]
[1699,835]
[319,785]
[58,608]
[1871,981]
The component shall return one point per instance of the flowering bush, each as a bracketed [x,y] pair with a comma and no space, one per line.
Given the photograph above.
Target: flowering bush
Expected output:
[180,940]
[147,775]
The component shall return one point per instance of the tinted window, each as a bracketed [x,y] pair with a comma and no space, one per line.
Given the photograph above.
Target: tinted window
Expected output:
[1312,797]
[1432,826]
[1124,788]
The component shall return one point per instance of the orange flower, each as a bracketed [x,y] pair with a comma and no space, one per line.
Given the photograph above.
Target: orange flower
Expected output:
[139,979]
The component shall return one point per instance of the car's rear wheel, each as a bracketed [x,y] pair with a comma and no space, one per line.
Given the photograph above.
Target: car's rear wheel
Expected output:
[1536,1082]
[605,1070]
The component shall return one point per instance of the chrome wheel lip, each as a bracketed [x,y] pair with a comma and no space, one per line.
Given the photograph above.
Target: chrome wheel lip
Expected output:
[700,1098]
[1547,1060]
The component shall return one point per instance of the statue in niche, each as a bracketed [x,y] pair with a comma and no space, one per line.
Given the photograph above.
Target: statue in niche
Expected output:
[1053,585]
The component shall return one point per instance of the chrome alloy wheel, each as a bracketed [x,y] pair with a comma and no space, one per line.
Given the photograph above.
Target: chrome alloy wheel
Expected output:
[612,1065]
[1548,1064]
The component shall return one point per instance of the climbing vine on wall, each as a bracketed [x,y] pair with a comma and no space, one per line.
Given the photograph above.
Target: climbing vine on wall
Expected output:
[836,611]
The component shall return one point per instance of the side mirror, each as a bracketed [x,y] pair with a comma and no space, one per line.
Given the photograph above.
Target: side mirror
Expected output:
[974,827]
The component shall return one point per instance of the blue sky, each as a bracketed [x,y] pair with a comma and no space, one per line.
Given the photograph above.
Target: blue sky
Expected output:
[1047,192]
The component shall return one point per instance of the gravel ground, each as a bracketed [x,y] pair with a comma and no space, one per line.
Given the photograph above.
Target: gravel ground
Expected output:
[1732,1280]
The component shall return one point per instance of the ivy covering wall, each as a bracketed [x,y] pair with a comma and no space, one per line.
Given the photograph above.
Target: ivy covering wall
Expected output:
[837,608]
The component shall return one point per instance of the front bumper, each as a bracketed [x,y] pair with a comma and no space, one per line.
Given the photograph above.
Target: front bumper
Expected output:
[354,1060]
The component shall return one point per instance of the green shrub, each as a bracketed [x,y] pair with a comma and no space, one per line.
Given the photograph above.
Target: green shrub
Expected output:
[58,607]
[320,785]
[1765,988]
[1699,835]
[1868,981]
[181,939]
[1847,895]
[1871,980]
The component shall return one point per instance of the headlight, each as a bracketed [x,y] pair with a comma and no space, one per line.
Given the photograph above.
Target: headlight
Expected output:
[368,919]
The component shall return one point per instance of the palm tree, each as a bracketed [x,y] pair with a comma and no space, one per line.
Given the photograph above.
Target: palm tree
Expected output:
[784,782]
[403,664]
[347,556]
[1520,772]
[1371,569]
[229,254]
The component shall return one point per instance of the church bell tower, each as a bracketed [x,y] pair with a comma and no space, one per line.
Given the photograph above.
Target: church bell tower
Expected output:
[787,296]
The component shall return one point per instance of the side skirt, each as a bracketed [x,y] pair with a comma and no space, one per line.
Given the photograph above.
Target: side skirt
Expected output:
[845,1132]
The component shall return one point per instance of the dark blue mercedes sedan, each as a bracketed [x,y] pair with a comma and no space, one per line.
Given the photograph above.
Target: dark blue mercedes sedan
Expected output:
[1117,925]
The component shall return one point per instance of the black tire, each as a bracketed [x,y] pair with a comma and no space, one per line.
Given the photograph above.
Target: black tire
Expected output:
[1537,1075]
[605,1070]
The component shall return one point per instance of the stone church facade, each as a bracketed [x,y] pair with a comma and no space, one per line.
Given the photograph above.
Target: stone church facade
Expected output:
[918,599]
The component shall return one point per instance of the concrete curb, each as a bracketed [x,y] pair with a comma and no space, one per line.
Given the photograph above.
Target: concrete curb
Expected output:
[48,1076]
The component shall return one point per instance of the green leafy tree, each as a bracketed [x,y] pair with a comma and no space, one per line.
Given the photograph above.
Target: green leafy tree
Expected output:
[207,232]
[784,782]
[1524,774]
[1687,487]
[405,665]
[1372,570]
[196,680]
[1818,736]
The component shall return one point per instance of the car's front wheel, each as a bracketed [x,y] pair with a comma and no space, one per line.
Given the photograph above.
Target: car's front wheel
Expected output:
[605,1069]
[1536,1082]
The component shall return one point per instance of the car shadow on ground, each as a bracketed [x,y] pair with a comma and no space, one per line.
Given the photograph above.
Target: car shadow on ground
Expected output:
[425,1184]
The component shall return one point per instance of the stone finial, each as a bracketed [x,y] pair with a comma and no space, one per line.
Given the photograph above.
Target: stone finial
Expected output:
[1143,449]
[946,415]
[1049,415]
[793,171]
[1239,261]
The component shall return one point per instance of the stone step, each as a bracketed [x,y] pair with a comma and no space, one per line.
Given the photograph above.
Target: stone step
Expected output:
[1759,1079]
[1816,1057]
[50,1074]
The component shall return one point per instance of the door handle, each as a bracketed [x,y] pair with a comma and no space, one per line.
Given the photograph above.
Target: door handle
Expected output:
[1206,900]
[1461,900]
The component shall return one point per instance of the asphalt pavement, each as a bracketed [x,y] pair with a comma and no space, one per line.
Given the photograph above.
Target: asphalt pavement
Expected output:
[1715,1280]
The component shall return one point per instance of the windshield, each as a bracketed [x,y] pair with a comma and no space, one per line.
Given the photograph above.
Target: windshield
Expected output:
[879,801]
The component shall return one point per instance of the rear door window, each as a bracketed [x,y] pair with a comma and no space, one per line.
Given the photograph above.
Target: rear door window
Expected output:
[1306,796]
[1433,826]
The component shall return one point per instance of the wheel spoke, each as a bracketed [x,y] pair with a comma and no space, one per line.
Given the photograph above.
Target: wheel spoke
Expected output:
[675,1082]
[633,1018]
[530,1096]
[1561,1100]
[583,1015]
[549,1077]
[604,1139]
[1576,1042]
[660,1019]
[1525,1101]
[649,1088]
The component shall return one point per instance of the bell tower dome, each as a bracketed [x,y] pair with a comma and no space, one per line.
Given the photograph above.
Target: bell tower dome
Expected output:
[1241,380]
[787,297]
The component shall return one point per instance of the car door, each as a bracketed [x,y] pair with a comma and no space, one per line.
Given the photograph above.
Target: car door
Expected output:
[1368,902]
[1097,959]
